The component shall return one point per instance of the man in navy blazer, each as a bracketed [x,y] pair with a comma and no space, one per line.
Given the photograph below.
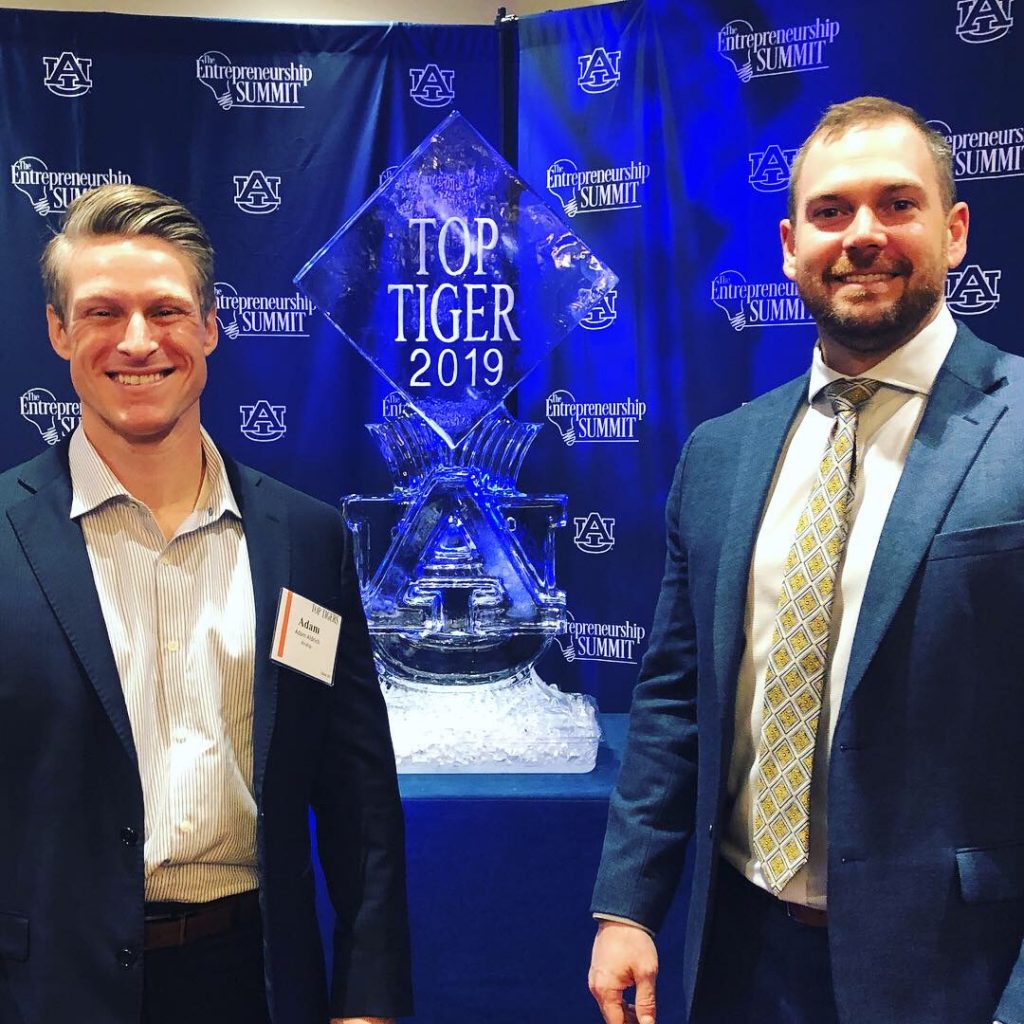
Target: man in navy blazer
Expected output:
[130,286]
[906,905]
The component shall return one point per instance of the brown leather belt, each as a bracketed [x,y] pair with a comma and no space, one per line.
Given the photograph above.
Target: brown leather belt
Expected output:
[807,915]
[200,920]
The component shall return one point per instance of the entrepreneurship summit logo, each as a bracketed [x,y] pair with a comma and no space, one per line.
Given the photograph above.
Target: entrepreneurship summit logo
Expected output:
[51,191]
[67,75]
[777,51]
[51,417]
[983,21]
[253,86]
[241,315]
[758,303]
[615,643]
[598,190]
[988,153]
[594,422]
[599,70]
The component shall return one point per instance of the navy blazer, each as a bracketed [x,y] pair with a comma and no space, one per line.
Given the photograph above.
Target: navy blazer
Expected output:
[926,780]
[71,809]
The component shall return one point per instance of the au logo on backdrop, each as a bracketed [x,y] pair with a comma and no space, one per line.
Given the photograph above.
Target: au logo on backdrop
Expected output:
[598,190]
[983,21]
[263,421]
[257,192]
[252,86]
[51,191]
[432,86]
[782,51]
[995,153]
[53,418]
[770,167]
[594,422]
[758,303]
[971,290]
[67,75]
[595,533]
[599,70]
[261,316]
[603,314]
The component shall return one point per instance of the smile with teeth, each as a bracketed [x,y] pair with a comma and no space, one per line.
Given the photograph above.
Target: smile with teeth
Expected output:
[865,278]
[135,379]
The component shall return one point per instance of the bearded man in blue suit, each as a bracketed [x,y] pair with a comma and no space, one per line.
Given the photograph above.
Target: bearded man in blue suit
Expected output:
[831,707]
[156,765]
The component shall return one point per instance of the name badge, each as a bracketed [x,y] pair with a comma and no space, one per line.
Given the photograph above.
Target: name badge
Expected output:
[306,637]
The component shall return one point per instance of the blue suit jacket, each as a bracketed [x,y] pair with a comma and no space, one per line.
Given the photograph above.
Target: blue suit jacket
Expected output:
[926,781]
[71,865]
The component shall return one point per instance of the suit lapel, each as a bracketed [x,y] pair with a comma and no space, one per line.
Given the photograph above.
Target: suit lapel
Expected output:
[55,549]
[265,522]
[759,447]
[958,418]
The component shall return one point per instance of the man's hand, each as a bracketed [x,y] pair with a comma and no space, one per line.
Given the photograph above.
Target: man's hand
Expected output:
[624,955]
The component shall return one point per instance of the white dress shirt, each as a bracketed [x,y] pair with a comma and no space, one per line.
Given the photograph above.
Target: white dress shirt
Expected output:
[886,428]
[180,616]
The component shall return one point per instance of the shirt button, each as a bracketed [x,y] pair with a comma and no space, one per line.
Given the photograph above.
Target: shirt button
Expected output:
[180,735]
[126,957]
[186,825]
[129,836]
[165,561]
[172,645]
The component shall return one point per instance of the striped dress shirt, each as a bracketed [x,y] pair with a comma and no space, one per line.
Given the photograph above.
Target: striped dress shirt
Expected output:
[180,617]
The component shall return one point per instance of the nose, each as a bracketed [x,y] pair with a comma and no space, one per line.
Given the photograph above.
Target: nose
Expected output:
[865,230]
[138,341]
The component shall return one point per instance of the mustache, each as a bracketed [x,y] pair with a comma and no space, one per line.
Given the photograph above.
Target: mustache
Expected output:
[841,268]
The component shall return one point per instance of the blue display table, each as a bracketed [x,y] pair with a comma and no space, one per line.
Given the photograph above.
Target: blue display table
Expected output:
[501,869]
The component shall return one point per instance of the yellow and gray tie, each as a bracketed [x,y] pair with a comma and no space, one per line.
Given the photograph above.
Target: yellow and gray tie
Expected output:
[798,659]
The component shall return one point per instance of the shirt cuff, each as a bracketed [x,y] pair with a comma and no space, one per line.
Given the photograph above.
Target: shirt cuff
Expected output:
[623,920]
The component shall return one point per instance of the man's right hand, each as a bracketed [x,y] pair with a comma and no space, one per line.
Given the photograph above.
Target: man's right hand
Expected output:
[624,955]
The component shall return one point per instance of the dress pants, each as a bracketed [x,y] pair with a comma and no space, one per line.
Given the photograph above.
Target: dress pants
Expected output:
[761,966]
[216,980]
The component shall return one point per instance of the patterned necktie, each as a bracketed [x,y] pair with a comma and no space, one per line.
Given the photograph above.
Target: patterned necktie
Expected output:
[799,653]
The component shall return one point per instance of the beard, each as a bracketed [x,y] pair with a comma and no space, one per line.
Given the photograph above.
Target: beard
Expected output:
[866,332]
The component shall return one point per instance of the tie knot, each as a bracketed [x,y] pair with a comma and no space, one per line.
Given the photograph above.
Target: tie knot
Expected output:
[848,394]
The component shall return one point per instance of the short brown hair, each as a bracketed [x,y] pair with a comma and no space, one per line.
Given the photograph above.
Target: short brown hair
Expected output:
[840,118]
[128,210]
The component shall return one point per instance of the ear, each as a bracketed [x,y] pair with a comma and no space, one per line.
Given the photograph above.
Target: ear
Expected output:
[212,334]
[958,223]
[787,235]
[58,334]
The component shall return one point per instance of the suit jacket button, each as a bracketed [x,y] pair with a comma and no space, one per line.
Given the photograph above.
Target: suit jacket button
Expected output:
[129,836]
[711,830]
[126,957]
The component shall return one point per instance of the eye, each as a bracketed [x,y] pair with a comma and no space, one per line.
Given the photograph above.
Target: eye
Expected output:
[168,311]
[902,205]
[827,213]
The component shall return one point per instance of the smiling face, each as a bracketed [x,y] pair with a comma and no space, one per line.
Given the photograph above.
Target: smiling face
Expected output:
[135,338]
[871,243]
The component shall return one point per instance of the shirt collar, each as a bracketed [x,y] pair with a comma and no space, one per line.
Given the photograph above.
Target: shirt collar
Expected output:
[93,484]
[912,367]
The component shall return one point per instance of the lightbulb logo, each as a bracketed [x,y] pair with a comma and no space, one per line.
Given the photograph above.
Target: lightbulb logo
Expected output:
[564,640]
[770,167]
[257,192]
[971,291]
[603,314]
[983,21]
[387,174]
[262,421]
[67,75]
[758,303]
[261,316]
[51,191]
[616,643]
[52,418]
[759,53]
[432,86]
[597,190]
[252,86]
[29,176]
[595,533]
[594,422]
[599,70]
[996,153]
